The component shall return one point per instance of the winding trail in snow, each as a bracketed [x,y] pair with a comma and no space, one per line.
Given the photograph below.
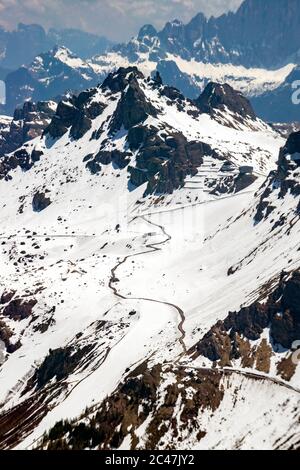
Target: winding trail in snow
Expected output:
[152,247]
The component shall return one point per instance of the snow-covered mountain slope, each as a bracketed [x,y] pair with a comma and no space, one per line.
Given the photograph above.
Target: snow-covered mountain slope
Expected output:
[48,76]
[233,38]
[191,76]
[127,232]
[269,90]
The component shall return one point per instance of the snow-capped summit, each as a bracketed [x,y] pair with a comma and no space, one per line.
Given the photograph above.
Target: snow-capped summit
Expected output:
[50,75]
[220,100]
[157,134]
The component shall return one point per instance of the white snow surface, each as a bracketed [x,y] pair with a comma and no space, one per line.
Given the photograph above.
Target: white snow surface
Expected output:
[250,81]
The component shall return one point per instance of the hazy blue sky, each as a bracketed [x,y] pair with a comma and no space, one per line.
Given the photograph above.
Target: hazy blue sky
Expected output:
[117,19]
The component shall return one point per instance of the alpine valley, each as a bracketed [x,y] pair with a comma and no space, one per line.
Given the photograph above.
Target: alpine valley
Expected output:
[149,241]
[150,274]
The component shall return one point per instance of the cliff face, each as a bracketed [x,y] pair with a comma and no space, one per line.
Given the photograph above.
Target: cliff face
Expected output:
[27,123]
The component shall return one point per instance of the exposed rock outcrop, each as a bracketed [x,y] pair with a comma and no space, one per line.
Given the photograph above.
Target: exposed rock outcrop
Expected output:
[229,339]
[164,159]
[133,107]
[28,122]
[40,202]
[284,180]
[77,114]
[221,97]
[19,309]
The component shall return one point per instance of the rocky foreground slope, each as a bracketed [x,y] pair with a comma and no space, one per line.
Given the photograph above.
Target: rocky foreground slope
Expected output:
[28,122]
[150,260]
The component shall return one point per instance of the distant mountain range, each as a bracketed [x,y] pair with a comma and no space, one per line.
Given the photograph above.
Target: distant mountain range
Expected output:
[260,34]
[21,46]
[50,75]
[255,50]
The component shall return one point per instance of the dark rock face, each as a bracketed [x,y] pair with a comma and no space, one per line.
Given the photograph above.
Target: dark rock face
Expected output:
[217,97]
[117,82]
[133,108]
[283,178]
[233,184]
[21,158]
[59,363]
[293,144]
[6,297]
[6,335]
[104,157]
[19,309]
[281,313]
[93,167]
[28,122]
[40,202]
[77,113]
[164,162]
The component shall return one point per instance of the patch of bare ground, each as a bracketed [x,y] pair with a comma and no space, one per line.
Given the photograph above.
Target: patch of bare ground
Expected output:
[286,368]
[263,356]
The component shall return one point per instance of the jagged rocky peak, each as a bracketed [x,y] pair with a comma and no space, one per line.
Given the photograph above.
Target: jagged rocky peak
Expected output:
[147,31]
[29,121]
[133,107]
[49,75]
[223,97]
[118,81]
[76,112]
[173,28]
